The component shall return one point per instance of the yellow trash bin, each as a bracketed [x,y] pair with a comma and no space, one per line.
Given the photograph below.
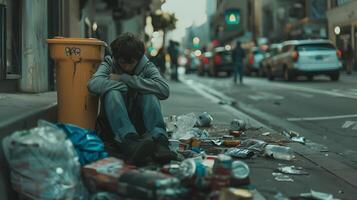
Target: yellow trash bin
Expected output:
[76,60]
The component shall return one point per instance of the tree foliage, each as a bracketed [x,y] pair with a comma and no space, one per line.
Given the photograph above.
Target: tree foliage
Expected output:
[163,21]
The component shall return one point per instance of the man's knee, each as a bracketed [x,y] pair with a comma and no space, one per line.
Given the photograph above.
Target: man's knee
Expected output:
[113,95]
[149,98]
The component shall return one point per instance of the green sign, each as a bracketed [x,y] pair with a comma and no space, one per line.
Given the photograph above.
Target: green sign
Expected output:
[232,16]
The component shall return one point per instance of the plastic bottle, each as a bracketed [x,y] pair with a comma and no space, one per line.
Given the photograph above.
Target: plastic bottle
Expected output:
[279,152]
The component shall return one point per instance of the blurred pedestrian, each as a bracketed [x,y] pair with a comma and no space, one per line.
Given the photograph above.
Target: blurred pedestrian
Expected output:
[159,60]
[238,55]
[173,52]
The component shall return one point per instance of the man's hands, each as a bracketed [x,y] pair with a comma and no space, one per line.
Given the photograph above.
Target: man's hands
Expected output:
[114,77]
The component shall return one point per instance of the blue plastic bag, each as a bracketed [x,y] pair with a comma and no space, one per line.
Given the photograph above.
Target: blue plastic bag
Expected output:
[88,145]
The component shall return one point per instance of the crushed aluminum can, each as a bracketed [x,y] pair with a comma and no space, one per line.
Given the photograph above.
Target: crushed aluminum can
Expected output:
[222,164]
[204,120]
[237,125]
[299,139]
[240,173]
[239,153]
[222,168]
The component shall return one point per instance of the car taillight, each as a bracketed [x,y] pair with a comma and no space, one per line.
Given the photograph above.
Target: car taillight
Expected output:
[339,53]
[217,59]
[251,60]
[295,56]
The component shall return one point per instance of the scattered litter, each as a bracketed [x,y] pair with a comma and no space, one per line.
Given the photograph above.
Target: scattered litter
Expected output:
[318,195]
[279,152]
[192,133]
[294,136]
[228,137]
[282,177]
[254,145]
[184,123]
[292,170]
[299,139]
[266,134]
[239,153]
[170,122]
[237,125]
[204,120]
[199,133]
[347,124]
[290,134]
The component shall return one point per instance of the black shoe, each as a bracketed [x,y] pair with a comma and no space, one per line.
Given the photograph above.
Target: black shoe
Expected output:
[163,154]
[137,150]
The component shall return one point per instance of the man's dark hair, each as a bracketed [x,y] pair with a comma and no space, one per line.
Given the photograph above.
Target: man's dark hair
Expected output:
[127,48]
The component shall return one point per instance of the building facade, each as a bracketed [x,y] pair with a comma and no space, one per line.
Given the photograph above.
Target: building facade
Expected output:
[342,27]
[25,25]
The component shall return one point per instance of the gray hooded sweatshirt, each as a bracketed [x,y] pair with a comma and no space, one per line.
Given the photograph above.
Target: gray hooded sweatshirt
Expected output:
[145,80]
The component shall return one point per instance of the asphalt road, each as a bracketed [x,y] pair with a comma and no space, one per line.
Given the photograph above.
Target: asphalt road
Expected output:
[324,112]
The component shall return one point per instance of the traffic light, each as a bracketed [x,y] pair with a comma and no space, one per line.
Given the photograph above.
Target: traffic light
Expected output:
[232,16]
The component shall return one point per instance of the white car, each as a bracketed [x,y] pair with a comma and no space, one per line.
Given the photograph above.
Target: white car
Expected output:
[306,58]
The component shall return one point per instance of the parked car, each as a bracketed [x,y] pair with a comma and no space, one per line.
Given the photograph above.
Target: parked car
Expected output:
[206,60]
[306,58]
[269,58]
[221,61]
[255,56]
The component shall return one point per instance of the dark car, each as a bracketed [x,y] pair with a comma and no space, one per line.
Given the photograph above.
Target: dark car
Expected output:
[269,58]
[221,62]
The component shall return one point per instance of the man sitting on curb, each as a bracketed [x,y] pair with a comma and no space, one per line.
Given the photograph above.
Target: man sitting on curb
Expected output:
[130,87]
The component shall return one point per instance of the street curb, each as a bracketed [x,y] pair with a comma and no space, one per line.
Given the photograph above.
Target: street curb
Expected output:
[331,163]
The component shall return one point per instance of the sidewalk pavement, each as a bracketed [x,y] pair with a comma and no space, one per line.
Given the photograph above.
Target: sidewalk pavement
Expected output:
[184,99]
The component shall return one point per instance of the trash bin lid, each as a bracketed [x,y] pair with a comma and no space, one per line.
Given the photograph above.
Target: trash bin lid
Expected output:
[85,41]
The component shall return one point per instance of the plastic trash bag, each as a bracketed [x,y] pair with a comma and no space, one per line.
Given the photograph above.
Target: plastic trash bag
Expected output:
[184,123]
[88,145]
[44,164]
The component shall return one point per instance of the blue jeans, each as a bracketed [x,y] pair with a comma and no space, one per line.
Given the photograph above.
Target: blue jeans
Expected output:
[133,114]
[238,70]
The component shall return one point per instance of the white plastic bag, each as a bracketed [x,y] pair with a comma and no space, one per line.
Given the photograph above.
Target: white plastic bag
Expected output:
[43,164]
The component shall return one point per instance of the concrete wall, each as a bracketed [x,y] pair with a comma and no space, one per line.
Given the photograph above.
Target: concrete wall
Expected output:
[134,25]
[34,47]
[71,18]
